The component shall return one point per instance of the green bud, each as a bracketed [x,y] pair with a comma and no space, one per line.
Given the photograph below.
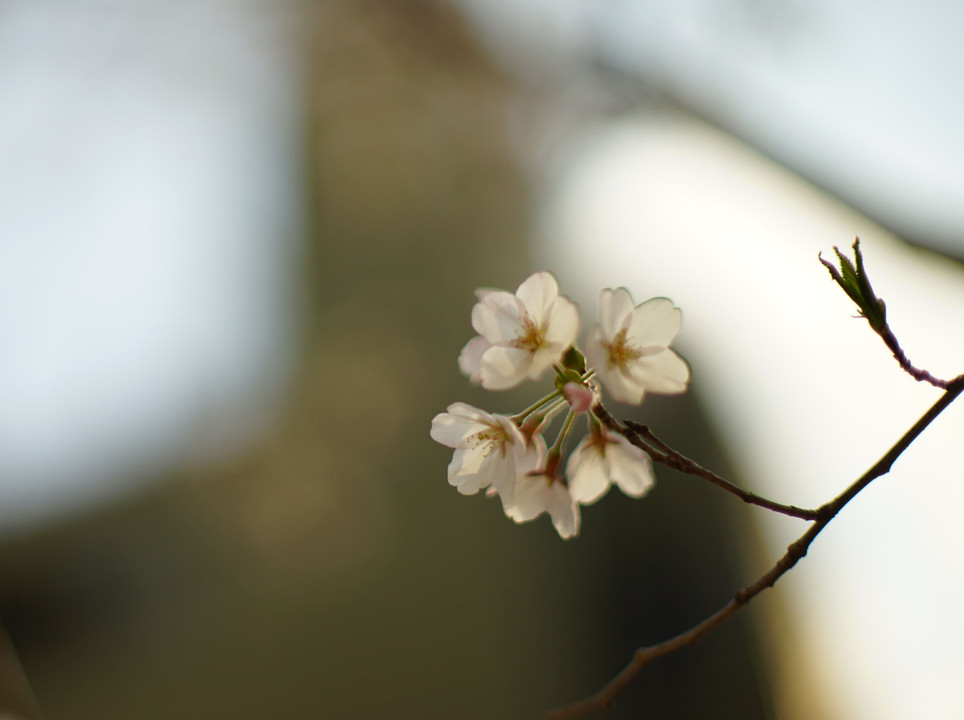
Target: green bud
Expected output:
[852,277]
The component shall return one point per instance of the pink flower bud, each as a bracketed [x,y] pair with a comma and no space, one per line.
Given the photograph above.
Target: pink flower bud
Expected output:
[579,397]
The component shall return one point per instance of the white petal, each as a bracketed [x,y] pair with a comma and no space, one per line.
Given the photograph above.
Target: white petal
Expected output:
[497,317]
[463,471]
[615,308]
[537,293]
[496,470]
[470,359]
[450,428]
[465,462]
[564,511]
[478,467]
[531,498]
[532,456]
[562,323]
[504,367]
[629,467]
[622,387]
[470,412]
[665,373]
[587,473]
[527,459]
[542,360]
[654,323]
[597,354]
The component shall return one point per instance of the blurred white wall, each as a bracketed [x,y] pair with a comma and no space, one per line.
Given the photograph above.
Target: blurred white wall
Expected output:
[806,396]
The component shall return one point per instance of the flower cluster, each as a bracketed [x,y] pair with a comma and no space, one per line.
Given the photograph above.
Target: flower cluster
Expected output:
[525,336]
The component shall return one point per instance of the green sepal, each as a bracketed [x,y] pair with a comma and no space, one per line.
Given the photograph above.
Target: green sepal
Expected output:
[565,376]
[572,359]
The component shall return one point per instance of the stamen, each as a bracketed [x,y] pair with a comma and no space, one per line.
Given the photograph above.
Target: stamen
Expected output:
[622,353]
[531,337]
[490,439]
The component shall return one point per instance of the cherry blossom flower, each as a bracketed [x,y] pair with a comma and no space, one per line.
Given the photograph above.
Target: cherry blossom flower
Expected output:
[629,347]
[602,458]
[521,335]
[536,493]
[490,450]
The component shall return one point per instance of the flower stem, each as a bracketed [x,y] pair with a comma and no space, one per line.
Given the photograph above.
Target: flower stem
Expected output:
[563,434]
[548,399]
[518,419]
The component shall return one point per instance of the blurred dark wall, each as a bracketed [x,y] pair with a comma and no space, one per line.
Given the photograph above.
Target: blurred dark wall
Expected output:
[331,572]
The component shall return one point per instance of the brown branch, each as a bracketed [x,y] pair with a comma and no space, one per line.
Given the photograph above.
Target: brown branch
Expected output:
[605,697]
[645,440]
[882,466]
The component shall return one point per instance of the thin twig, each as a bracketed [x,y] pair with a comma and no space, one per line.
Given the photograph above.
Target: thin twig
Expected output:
[795,551]
[645,440]
[890,340]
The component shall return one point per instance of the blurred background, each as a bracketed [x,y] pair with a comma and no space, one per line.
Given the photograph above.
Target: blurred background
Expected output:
[239,242]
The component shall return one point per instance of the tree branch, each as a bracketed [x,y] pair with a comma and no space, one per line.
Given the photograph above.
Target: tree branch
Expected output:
[606,696]
[645,440]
